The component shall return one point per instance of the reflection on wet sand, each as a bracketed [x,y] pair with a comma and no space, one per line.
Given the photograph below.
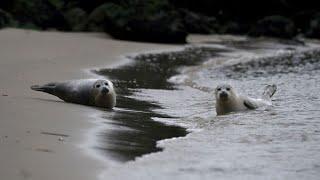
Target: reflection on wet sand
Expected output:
[136,133]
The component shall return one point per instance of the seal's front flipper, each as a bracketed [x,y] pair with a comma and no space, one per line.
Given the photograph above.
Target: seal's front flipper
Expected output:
[48,88]
[269,91]
[249,104]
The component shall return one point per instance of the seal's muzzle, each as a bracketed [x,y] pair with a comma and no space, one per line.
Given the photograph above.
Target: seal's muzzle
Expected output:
[104,90]
[223,95]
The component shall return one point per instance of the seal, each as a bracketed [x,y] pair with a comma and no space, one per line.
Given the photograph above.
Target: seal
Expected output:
[92,92]
[227,99]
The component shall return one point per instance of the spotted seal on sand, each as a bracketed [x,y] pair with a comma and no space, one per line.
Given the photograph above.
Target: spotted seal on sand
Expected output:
[92,92]
[227,99]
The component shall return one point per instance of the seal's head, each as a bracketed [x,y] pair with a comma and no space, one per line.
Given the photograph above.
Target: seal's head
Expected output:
[224,92]
[104,94]
[102,87]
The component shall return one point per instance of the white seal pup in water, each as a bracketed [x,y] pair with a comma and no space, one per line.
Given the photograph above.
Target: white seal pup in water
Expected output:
[92,92]
[227,99]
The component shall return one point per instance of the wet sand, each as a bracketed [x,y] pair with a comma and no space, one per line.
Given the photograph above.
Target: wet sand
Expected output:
[42,137]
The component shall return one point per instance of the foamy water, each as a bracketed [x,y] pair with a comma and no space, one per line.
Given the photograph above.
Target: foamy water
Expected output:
[277,142]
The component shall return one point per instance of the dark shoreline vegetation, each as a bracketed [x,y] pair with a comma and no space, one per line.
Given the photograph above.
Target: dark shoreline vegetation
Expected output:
[166,21]
[137,133]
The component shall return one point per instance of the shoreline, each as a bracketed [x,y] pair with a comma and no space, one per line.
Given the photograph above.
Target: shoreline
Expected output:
[30,119]
[34,57]
[183,157]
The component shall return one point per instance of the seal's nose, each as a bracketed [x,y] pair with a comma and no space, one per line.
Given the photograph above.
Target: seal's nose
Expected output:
[223,94]
[104,90]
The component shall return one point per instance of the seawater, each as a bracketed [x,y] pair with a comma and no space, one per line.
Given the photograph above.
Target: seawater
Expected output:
[173,92]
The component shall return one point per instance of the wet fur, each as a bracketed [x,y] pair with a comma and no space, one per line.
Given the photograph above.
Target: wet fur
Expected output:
[235,102]
[81,92]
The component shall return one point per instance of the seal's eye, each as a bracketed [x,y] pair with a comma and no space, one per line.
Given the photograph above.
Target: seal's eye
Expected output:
[219,89]
[98,85]
[106,84]
[228,89]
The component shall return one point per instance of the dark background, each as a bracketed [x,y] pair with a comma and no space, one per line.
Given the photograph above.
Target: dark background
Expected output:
[166,21]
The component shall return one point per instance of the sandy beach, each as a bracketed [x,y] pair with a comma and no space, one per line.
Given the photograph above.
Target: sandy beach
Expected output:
[42,137]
